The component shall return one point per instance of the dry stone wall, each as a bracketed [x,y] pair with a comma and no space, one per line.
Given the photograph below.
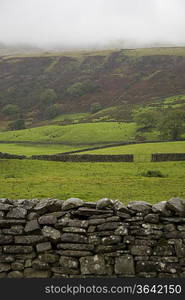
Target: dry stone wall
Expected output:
[72,238]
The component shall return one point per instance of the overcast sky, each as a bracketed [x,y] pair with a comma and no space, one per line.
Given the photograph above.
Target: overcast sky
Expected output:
[89,23]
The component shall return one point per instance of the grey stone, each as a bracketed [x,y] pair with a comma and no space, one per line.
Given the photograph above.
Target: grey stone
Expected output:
[40,265]
[9,223]
[15,274]
[120,207]
[14,230]
[97,221]
[2,214]
[165,250]
[177,205]
[148,266]
[179,249]
[4,267]
[93,265]
[75,253]
[17,213]
[72,203]
[104,203]
[140,250]
[74,230]
[140,206]
[31,226]
[67,246]
[121,230]
[109,226]
[49,258]
[42,247]
[6,239]
[53,234]
[5,207]
[152,218]
[111,240]
[6,258]
[68,262]
[71,223]
[29,239]
[109,248]
[63,271]
[181,227]
[161,208]
[32,216]
[74,238]
[31,273]
[17,249]
[17,266]
[124,265]
[47,220]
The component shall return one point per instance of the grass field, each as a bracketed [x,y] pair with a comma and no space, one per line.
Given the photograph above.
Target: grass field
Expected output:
[91,181]
[146,148]
[87,133]
[28,149]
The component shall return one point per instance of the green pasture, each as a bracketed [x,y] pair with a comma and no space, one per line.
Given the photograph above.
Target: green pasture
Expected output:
[86,133]
[91,181]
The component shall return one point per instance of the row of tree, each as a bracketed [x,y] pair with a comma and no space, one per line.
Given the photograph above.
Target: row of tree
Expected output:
[170,124]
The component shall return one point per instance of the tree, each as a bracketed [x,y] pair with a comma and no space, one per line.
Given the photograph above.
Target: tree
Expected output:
[52,111]
[95,107]
[48,97]
[10,110]
[172,125]
[17,125]
[147,120]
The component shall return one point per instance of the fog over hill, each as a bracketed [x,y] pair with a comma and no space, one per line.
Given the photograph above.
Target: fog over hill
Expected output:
[67,24]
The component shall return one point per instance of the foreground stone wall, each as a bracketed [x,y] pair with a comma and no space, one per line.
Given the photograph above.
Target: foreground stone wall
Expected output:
[86,158]
[72,238]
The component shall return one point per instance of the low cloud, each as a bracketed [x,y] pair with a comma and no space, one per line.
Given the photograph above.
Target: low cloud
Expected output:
[97,23]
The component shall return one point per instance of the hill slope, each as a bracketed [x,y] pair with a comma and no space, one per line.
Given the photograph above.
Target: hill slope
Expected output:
[109,78]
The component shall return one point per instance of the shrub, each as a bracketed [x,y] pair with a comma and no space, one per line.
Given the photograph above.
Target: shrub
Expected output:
[152,173]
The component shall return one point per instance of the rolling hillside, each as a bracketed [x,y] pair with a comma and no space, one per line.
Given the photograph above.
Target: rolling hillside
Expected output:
[122,78]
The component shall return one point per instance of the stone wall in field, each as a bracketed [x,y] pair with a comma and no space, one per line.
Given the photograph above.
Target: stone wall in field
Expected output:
[86,158]
[168,157]
[72,238]
[10,156]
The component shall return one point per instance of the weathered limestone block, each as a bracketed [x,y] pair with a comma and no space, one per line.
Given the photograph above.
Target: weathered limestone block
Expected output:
[2,214]
[65,271]
[6,239]
[109,226]
[51,233]
[121,230]
[161,208]
[65,222]
[42,247]
[47,220]
[179,248]
[49,258]
[17,213]
[176,205]
[31,273]
[67,246]
[9,223]
[93,265]
[15,274]
[14,230]
[32,226]
[111,240]
[74,238]
[6,258]
[140,206]
[17,266]
[104,203]
[5,207]
[147,266]
[29,239]
[163,250]
[40,265]
[140,250]
[5,267]
[17,249]
[69,262]
[74,230]
[124,265]
[152,218]
[75,253]
[109,248]
[72,203]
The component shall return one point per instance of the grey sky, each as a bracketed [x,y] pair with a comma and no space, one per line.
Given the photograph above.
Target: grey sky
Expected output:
[87,23]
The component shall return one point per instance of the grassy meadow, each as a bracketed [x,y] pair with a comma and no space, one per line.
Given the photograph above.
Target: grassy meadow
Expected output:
[86,133]
[91,181]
